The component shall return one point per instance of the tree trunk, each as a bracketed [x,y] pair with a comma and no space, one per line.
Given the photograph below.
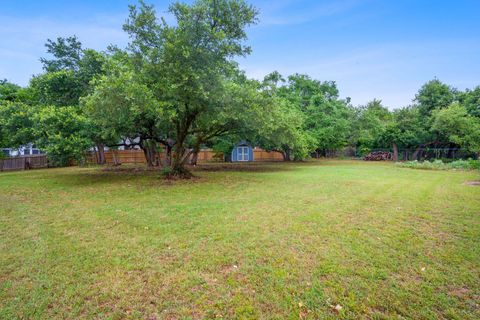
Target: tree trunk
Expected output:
[101,154]
[195,151]
[180,156]
[146,152]
[149,150]
[416,152]
[194,158]
[116,162]
[395,152]
[95,154]
[168,155]
[154,152]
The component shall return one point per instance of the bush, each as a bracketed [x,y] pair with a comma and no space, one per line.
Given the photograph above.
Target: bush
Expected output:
[474,164]
[440,165]
[171,173]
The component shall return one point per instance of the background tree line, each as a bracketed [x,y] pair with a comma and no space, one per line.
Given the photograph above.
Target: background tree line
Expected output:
[176,87]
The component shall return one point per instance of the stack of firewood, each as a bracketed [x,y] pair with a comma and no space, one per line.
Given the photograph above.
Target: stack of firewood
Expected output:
[378,156]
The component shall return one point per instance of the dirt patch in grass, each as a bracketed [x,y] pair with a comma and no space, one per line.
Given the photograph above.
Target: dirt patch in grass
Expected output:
[460,292]
[473,183]
[130,169]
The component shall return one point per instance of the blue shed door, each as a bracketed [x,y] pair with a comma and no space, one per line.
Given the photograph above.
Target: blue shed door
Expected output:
[242,154]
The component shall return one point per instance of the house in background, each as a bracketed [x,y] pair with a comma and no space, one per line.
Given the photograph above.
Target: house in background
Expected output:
[242,152]
[22,151]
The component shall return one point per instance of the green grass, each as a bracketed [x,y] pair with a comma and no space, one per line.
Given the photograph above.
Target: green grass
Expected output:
[276,241]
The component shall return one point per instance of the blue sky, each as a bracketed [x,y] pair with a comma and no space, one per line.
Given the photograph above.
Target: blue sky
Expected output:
[382,49]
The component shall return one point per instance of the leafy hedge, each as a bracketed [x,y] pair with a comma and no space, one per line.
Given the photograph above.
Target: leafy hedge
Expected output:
[440,165]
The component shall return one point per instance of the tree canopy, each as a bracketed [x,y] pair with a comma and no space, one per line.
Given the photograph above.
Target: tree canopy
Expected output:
[177,87]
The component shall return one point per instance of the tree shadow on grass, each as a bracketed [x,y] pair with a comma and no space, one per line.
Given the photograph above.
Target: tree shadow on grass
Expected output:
[243,167]
[134,174]
[105,176]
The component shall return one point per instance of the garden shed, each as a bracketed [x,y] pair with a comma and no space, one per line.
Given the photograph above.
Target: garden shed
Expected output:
[242,152]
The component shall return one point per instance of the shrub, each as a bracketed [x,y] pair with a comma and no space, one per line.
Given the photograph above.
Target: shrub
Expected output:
[171,173]
[440,165]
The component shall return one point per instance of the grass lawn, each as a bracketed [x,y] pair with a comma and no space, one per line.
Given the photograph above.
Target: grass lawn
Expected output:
[271,241]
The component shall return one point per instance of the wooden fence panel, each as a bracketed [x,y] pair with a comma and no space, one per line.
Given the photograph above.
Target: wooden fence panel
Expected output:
[24,162]
[204,156]
[138,157]
[260,155]
[37,162]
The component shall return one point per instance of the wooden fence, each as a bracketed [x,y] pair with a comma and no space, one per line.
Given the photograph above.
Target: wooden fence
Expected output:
[204,156]
[138,157]
[24,162]
[260,155]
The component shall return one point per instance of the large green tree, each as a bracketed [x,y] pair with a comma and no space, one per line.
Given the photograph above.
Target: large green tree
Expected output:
[434,95]
[69,71]
[404,130]
[63,133]
[16,124]
[127,113]
[327,117]
[185,64]
[369,124]
[460,128]
[470,99]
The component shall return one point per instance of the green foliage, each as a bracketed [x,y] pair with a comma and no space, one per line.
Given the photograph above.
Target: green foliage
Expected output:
[179,84]
[122,107]
[434,95]
[14,93]
[16,124]
[455,123]
[187,66]
[68,74]
[326,116]
[8,91]
[284,131]
[470,99]
[370,124]
[62,132]
[58,88]
[67,53]
[404,130]
[440,165]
